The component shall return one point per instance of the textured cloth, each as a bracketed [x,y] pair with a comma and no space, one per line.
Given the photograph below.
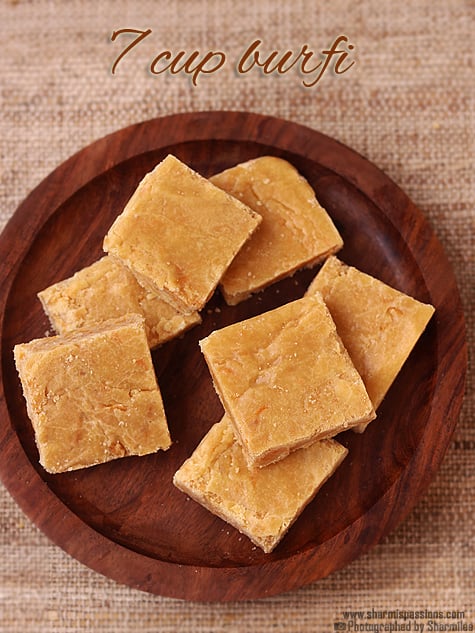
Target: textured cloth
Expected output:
[407,104]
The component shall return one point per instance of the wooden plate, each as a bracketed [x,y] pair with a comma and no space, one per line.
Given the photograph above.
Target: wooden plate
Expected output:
[125,519]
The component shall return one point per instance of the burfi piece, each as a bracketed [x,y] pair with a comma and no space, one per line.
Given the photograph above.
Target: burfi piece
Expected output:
[285,379]
[295,231]
[92,395]
[378,325]
[262,503]
[107,290]
[178,234]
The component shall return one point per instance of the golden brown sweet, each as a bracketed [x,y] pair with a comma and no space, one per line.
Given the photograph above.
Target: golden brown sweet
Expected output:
[178,234]
[285,379]
[107,290]
[92,395]
[262,503]
[378,325]
[295,230]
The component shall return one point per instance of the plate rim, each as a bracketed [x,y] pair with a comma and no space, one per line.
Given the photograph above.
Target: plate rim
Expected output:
[102,554]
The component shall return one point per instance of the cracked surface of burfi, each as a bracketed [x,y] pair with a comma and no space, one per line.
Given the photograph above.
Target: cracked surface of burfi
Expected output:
[378,324]
[295,231]
[179,233]
[107,289]
[92,395]
[262,503]
[285,379]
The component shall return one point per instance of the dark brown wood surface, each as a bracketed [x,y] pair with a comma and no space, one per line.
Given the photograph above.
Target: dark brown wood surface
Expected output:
[125,519]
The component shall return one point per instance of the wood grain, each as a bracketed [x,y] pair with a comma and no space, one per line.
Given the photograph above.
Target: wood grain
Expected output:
[125,519]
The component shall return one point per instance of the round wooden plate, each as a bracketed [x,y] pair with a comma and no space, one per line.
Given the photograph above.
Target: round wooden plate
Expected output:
[125,519]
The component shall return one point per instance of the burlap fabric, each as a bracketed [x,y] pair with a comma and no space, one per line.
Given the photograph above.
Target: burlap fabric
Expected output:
[407,104]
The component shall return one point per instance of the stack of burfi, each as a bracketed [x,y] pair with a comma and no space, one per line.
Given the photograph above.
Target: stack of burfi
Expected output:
[290,379]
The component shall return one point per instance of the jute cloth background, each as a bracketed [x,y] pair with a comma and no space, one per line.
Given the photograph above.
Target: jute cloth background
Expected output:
[407,104]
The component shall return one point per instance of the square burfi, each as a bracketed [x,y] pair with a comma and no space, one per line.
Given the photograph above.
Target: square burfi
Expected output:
[92,395]
[105,290]
[378,324]
[179,233]
[285,379]
[218,477]
[295,231]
